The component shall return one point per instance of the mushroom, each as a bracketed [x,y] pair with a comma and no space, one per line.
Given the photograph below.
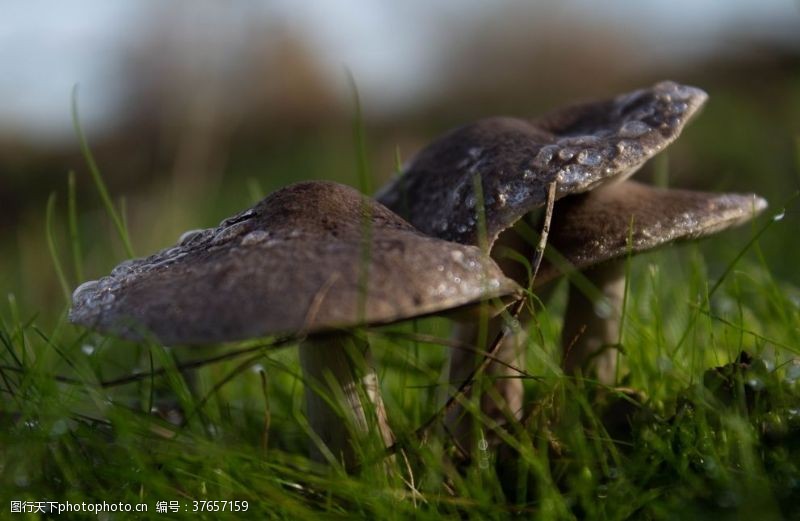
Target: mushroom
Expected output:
[578,147]
[298,263]
[591,231]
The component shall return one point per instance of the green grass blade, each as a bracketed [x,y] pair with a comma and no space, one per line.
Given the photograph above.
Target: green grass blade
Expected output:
[365,185]
[51,246]
[98,178]
[362,167]
[74,236]
[732,264]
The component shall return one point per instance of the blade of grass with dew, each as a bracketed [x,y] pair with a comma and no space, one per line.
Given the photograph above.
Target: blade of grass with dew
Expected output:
[51,246]
[98,178]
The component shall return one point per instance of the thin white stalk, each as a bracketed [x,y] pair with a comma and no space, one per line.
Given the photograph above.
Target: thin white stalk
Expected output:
[343,399]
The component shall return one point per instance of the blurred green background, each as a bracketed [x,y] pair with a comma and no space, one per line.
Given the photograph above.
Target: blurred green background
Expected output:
[194,111]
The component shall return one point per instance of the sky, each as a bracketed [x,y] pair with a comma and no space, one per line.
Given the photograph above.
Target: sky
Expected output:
[392,48]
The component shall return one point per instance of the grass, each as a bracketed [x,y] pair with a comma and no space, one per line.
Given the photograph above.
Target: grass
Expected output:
[86,418]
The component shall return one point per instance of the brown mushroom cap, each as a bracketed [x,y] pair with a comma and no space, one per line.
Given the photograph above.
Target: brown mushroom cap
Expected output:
[291,263]
[580,147]
[592,228]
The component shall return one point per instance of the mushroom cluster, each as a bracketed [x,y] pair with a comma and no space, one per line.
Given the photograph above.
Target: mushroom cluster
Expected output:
[589,149]
[318,260]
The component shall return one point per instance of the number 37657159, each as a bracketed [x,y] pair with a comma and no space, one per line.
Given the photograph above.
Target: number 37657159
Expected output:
[219,506]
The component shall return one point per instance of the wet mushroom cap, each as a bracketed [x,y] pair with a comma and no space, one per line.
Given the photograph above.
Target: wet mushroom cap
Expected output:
[580,147]
[292,263]
[592,228]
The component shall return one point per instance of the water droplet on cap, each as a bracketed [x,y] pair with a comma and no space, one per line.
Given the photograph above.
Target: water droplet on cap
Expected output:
[632,129]
[457,255]
[589,157]
[566,154]
[545,155]
[89,285]
[255,237]
[188,236]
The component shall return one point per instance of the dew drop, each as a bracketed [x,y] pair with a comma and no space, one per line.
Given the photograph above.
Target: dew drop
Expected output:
[188,236]
[255,237]
[123,268]
[566,153]
[238,218]
[227,233]
[603,309]
[545,156]
[570,175]
[755,383]
[779,216]
[628,149]
[634,128]
[680,107]
[107,298]
[89,285]
[589,157]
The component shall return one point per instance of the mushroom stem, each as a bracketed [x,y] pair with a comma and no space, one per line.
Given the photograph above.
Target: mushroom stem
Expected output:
[591,325]
[505,399]
[343,399]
